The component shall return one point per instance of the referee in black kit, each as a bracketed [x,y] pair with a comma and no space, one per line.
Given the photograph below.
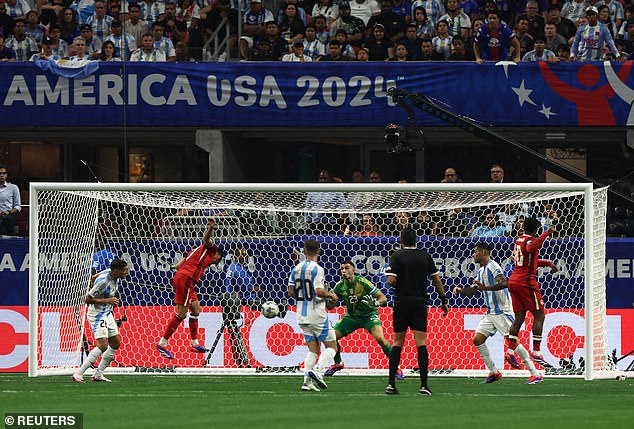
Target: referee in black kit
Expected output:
[407,274]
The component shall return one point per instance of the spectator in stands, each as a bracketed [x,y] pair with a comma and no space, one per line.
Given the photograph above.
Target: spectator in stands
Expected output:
[375,177]
[459,51]
[301,13]
[424,26]
[34,29]
[353,26]
[427,52]
[425,224]
[99,21]
[297,54]
[253,27]
[134,25]
[102,257]
[574,10]
[412,43]
[272,46]
[363,55]
[442,41]
[548,216]
[46,53]
[358,176]
[403,8]
[615,11]
[175,28]
[50,12]
[321,28]
[565,27]
[459,21]
[319,221]
[476,22]
[551,38]
[489,228]
[400,53]
[6,54]
[590,47]
[108,52]
[59,46]
[148,52]
[162,43]
[17,9]
[456,222]
[563,52]
[216,16]
[69,25]
[292,28]
[6,22]
[522,35]
[334,52]
[92,45]
[124,43]
[23,46]
[79,48]
[151,11]
[364,10]
[393,24]
[312,46]
[401,221]
[497,174]
[9,202]
[368,227]
[380,47]
[326,8]
[604,18]
[436,7]
[535,20]
[540,53]
[482,41]
[450,176]
[347,50]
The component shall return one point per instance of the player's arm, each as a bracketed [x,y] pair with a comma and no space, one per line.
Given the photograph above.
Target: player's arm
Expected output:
[500,283]
[380,298]
[179,264]
[466,291]
[326,294]
[92,300]
[536,243]
[441,293]
[390,278]
[549,264]
[211,223]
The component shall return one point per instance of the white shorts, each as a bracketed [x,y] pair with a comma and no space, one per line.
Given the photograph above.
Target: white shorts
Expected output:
[492,323]
[104,327]
[318,332]
[247,39]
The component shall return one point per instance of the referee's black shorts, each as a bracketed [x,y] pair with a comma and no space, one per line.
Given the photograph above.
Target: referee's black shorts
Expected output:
[410,312]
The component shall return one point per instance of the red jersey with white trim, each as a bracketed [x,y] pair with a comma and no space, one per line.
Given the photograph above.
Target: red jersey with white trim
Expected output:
[525,257]
[197,261]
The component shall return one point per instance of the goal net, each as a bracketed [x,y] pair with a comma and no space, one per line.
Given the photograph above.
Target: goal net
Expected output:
[152,226]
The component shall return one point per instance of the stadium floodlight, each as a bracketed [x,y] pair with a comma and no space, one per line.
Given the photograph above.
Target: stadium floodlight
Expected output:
[152,225]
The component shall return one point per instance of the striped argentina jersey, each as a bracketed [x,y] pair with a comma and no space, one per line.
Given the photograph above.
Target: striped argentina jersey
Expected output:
[306,277]
[499,301]
[103,287]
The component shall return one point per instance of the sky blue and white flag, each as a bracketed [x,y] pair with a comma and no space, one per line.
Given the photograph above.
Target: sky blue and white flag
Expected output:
[74,69]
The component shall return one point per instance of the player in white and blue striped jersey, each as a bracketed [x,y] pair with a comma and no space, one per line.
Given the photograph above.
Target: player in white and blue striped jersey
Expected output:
[307,285]
[101,300]
[499,316]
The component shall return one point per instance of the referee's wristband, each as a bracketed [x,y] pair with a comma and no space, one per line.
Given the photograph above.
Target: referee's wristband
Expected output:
[444,300]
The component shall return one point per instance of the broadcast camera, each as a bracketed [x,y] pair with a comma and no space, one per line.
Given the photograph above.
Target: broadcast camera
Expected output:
[397,139]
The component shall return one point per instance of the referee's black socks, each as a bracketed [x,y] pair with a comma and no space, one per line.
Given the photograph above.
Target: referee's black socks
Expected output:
[423,364]
[395,360]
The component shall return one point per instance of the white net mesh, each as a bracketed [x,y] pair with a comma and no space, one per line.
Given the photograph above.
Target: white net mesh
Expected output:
[152,229]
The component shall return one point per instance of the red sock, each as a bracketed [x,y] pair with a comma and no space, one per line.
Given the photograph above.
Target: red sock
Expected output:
[193,326]
[172,326]
[537,344]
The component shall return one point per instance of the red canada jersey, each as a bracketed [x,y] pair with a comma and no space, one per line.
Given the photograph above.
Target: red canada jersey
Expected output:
[197,261]
[525,257]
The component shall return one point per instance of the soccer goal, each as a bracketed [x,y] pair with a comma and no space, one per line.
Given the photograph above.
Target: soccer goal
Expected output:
[152,226]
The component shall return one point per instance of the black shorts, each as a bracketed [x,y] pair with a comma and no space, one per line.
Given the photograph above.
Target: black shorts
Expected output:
[410,312]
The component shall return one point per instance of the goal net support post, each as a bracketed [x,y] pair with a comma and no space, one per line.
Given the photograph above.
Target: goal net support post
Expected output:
[261,229]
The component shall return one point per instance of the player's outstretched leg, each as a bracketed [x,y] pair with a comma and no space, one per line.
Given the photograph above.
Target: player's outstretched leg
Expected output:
[94,354]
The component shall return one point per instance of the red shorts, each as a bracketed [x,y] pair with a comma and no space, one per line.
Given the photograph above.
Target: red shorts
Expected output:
[184,289]
[526,298]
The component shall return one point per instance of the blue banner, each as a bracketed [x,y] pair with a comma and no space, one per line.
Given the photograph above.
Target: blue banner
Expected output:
[350,94]
[271,260]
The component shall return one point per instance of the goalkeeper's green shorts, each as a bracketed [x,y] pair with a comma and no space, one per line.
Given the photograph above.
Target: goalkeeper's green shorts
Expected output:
[348,324]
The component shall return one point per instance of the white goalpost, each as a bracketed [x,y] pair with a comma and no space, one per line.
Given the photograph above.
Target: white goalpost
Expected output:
[152,226]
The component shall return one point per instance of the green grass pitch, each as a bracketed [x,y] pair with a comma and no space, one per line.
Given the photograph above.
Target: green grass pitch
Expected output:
[350,402]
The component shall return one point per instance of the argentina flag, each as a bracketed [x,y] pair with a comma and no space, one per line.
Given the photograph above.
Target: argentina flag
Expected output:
[74,69]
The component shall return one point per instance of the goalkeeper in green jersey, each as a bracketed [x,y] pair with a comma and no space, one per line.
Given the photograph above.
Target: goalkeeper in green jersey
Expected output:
[361,298]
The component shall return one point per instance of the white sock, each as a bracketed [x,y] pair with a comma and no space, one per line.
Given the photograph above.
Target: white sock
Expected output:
[486,356]
[523,354]
[326,358]
[107,357]
[162,342]
[309,364]
[92,357]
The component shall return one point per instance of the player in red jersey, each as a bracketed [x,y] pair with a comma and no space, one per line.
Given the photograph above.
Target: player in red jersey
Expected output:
[524,288]
[189,271]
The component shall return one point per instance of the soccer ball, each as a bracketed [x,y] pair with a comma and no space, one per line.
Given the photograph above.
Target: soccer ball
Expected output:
[270,309]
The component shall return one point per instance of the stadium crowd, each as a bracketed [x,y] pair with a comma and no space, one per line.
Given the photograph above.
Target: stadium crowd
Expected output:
[318,30]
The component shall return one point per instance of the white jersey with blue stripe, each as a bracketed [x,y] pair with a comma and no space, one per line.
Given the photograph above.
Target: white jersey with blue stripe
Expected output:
[306,277]
[499,301]
[103,287]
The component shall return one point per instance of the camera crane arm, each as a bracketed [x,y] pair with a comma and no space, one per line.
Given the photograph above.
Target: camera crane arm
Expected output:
[409,100]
